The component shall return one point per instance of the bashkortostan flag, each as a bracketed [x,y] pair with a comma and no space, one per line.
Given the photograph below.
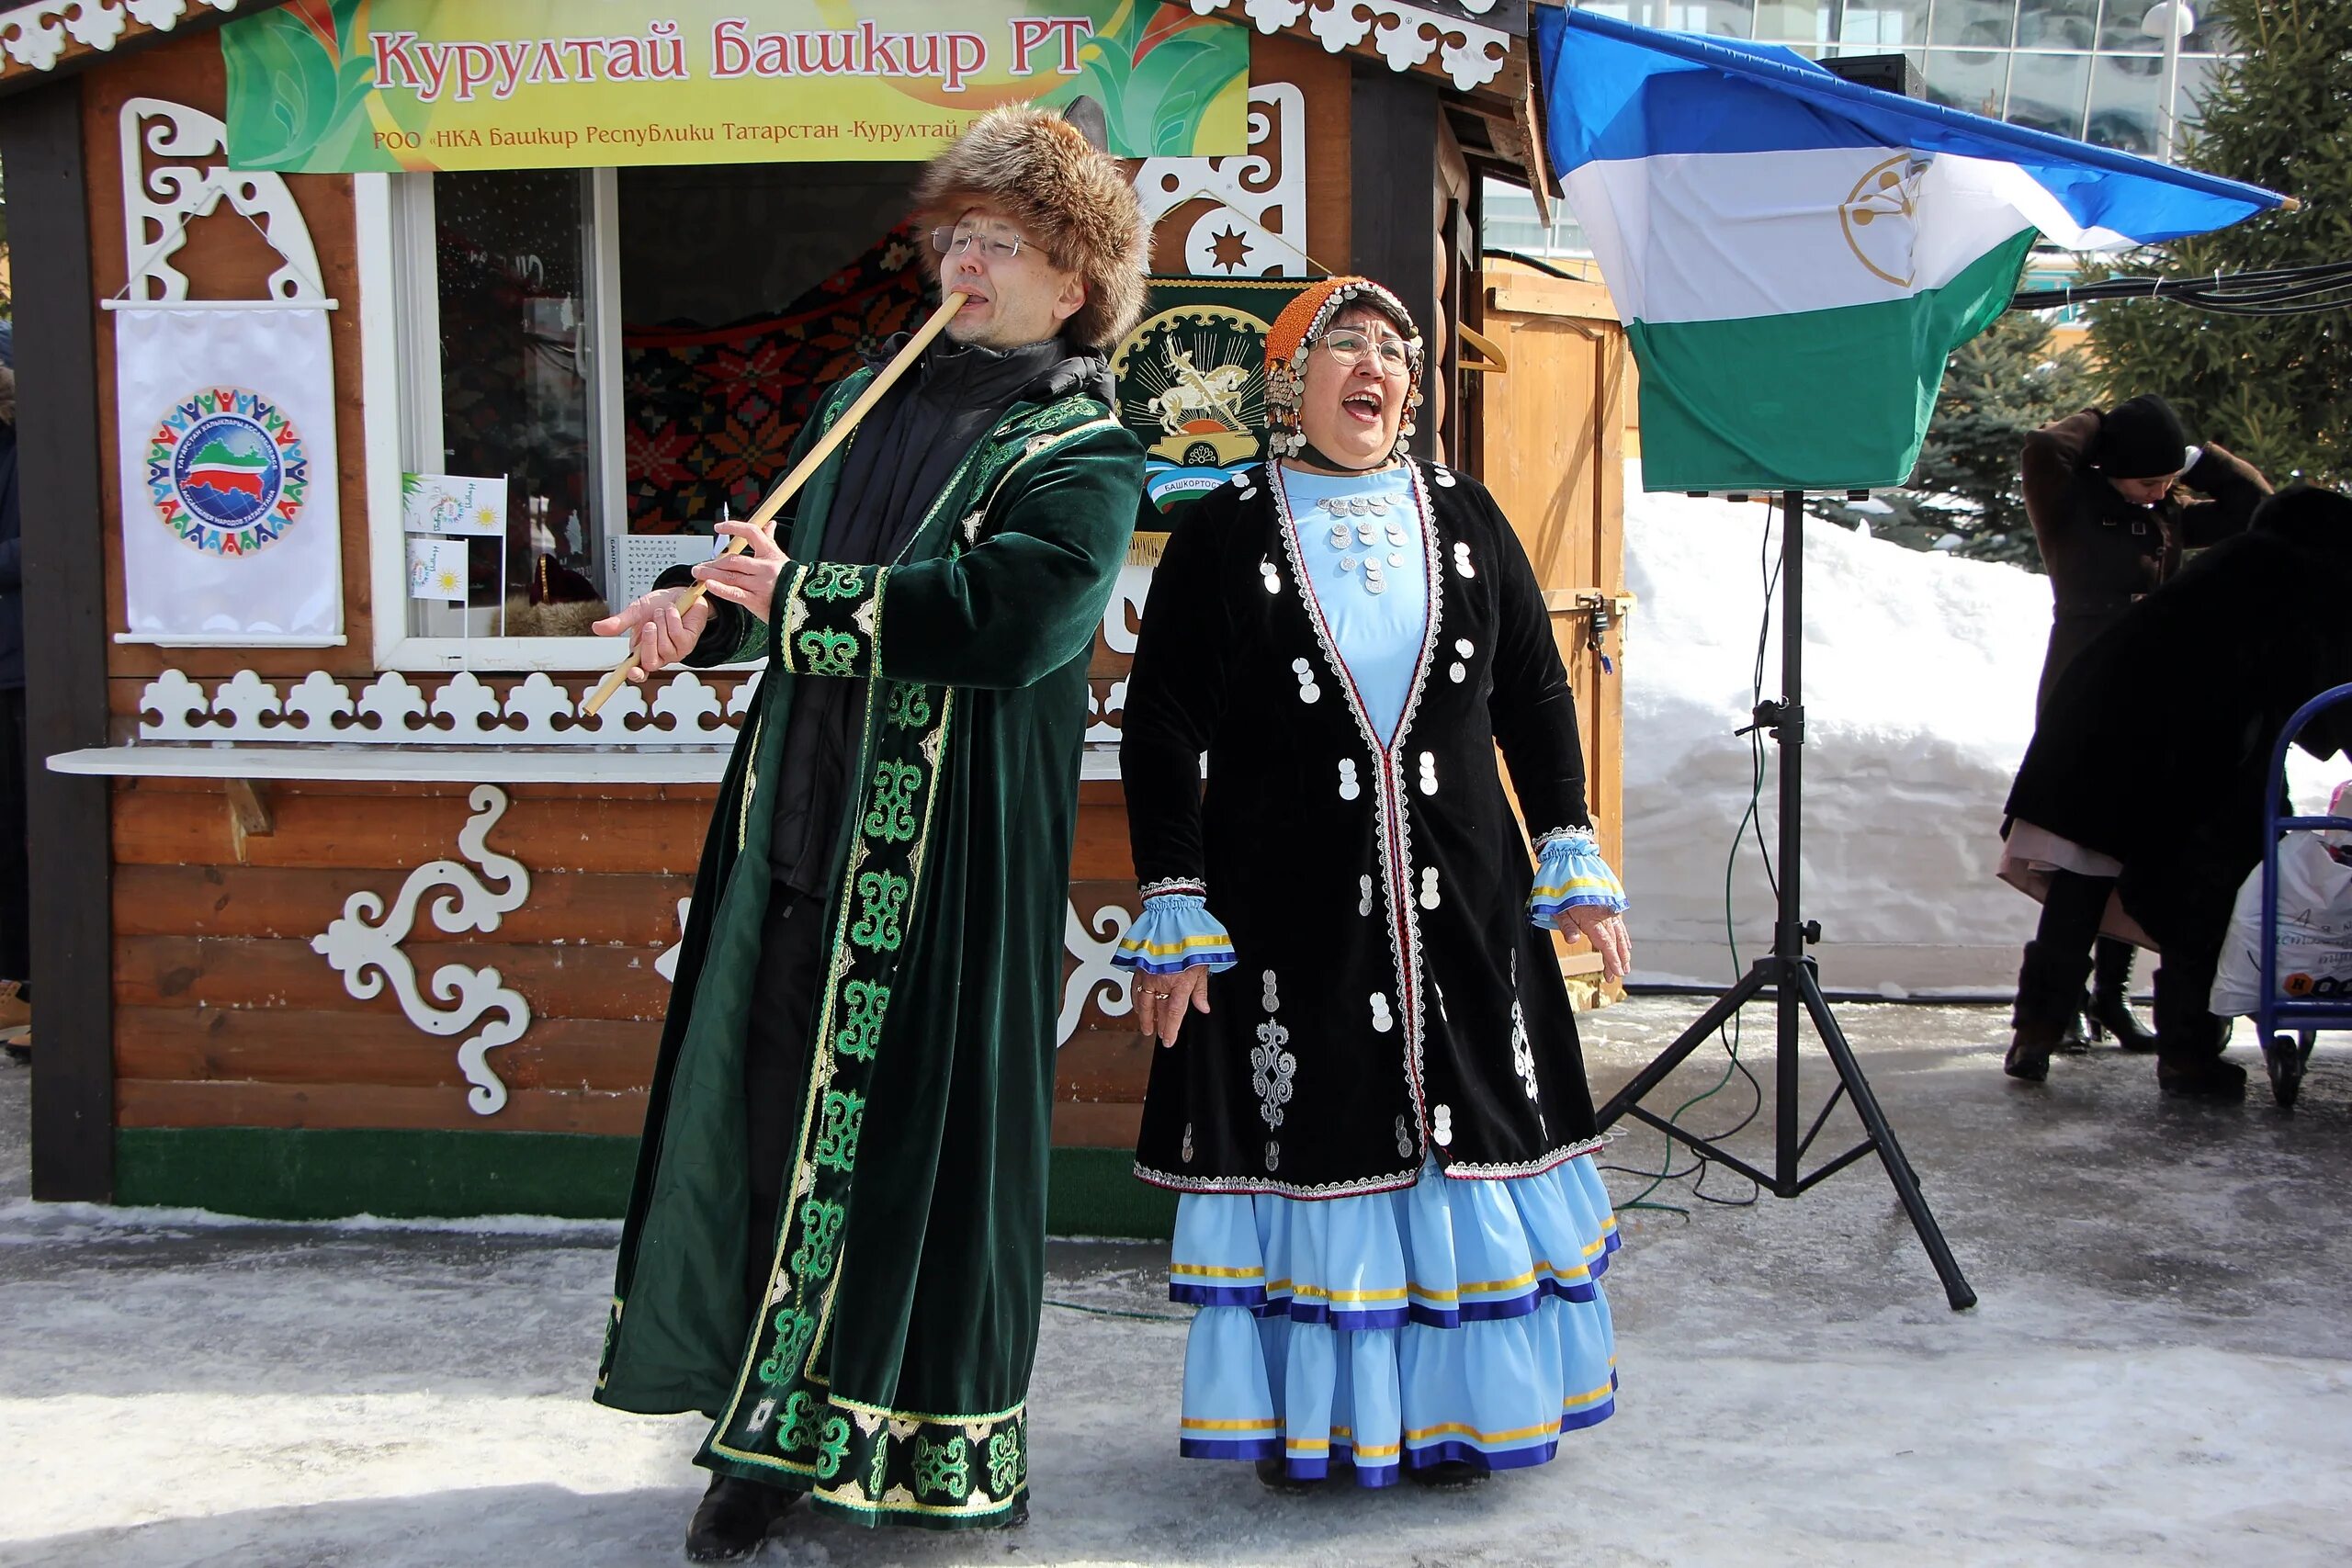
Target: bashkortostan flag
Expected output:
[1794,256]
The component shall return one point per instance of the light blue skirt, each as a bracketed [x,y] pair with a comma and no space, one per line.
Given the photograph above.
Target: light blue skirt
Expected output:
[1452,1320]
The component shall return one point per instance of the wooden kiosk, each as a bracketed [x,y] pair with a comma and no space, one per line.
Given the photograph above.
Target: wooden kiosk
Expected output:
[371,919]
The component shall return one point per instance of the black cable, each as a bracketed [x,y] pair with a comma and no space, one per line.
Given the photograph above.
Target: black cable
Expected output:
[1769,570]
[2272,292]
[1538,263]
[1119,1312]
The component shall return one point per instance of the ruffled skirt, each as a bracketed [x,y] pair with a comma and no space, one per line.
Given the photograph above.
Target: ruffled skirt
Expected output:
[1452,1320]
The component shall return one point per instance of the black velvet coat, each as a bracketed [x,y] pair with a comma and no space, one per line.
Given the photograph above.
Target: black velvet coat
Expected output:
[1392,998]
[2155,746]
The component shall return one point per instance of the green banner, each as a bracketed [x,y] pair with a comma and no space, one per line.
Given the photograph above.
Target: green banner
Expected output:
[344,85]
[1191,382]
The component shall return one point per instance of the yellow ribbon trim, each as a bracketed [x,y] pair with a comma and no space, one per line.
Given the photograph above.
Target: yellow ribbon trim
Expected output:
[1162,949]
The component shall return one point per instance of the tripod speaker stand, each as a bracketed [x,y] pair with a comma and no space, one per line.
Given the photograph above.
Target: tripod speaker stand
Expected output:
[1789,977]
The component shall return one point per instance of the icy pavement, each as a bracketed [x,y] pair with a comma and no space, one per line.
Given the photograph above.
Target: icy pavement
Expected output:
[2158,1372]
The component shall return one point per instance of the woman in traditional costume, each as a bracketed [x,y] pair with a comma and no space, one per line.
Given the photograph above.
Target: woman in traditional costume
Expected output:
[1371,1096]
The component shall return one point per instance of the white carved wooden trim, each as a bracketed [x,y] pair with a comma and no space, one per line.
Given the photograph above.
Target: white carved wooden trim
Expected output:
[1106,714]
[1266,183]
[1405,36]
[37,35]
[1095,971]
[363,946]
[391,710]
[1123,617]
[188,179]
[667,964]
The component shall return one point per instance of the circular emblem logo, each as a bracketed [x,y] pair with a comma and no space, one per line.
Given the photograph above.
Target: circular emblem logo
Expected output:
[227,473]
[1192,387]
[1878,215]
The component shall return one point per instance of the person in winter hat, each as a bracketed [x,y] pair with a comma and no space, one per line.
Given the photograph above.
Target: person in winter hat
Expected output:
[2195,683]
[2103,493]
[1341,935]
[836,1243]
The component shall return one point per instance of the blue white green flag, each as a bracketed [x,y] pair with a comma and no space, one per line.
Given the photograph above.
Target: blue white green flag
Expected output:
[1796,256]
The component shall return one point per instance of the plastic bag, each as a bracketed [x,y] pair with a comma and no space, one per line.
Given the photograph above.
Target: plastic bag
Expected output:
[2314,930]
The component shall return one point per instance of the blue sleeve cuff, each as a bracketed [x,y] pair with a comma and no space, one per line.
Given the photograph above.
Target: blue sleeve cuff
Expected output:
[1572,874]
[1175,932]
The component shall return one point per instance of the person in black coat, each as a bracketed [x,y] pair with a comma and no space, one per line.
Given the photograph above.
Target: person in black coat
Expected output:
[2139,806]
[2102,490]
[16,932]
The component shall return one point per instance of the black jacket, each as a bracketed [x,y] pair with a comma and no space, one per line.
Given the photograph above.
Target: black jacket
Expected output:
[897,463]
[2155,746]
[1392,999]
[2101,551]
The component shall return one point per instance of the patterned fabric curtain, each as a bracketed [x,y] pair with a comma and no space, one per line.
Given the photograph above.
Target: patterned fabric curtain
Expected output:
[711,411]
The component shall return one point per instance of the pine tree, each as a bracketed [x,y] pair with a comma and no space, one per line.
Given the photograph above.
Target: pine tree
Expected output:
[2276,391]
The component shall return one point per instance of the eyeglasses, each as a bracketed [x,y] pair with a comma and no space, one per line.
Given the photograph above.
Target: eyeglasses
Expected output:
[1348,348]
[949,241]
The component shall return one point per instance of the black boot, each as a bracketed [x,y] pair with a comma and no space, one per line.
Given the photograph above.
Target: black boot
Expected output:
[1275,1476]
[733,1519]
[2189,1043]
[2076,1041]
[2048,986]
[2111,1007]
[1449,1475]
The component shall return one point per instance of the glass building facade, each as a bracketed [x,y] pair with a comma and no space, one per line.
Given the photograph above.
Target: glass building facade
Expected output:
[2089,69]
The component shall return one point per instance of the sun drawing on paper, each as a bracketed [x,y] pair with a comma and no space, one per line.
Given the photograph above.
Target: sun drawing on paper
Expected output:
[227,471]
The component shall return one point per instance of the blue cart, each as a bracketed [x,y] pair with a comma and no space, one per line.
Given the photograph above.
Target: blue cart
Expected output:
[2273,1013]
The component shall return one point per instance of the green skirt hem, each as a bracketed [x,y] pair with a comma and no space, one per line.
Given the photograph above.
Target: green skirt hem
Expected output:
[867,1515]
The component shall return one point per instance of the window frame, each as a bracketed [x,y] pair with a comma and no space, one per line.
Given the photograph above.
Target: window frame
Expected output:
[401,387]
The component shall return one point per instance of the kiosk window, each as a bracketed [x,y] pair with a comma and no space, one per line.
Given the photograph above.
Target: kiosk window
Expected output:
[503,379]
[630,351]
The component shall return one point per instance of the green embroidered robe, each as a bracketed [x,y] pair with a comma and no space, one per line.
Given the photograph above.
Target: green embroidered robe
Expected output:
[887,1369]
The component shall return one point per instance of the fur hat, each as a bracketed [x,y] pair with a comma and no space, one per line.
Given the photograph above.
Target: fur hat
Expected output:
[1075,201]
[1301,326]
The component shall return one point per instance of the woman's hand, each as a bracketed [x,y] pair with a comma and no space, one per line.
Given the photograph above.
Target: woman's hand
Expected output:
[657,629]
[1162,999]
[748,579]
[1605,930]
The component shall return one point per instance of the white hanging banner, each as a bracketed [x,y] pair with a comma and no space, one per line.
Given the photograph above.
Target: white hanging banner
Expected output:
[230,531]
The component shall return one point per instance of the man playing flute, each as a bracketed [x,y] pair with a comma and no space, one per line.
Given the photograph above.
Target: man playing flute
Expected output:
[835,1246]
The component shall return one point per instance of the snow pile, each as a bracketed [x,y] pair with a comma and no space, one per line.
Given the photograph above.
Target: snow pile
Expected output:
[1920,676]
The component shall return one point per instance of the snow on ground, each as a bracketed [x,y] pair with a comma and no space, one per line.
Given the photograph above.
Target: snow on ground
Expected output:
[1920,676]
[2158,1372]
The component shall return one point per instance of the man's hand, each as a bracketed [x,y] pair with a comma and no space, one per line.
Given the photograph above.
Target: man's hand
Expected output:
[1605,930]
[1161,1001]
[660,634]
[748,578]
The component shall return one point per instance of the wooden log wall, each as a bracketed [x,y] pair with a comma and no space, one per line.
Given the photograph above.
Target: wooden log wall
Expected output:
[226,1015]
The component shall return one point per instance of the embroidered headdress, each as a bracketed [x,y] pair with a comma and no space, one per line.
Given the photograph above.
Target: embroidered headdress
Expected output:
[1296,332]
